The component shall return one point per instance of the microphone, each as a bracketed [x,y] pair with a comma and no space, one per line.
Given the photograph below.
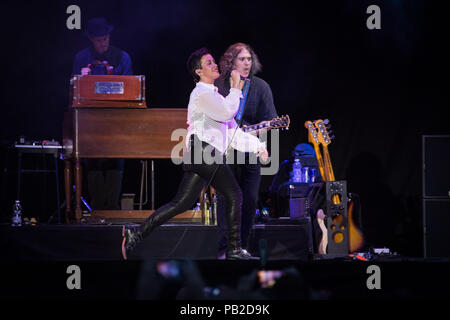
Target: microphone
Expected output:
[242,77]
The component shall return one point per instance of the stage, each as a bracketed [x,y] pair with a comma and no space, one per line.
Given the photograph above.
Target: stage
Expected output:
[36,263]
[102,242]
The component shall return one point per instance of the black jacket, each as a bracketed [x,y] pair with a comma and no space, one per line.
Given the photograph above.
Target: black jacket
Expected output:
[259,106]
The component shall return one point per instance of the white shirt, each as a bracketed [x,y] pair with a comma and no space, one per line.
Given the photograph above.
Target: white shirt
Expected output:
[211,118]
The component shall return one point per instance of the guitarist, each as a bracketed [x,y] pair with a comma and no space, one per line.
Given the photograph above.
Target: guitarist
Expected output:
[256,106]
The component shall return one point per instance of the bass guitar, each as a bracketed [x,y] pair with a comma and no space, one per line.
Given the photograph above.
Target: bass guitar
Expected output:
[319,133]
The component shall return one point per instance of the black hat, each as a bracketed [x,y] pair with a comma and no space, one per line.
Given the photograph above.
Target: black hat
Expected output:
[98,27]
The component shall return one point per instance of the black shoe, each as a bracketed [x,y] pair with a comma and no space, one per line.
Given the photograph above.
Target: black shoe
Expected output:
[130,238]
[240,254]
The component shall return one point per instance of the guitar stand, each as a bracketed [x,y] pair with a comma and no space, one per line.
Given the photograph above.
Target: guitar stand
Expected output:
[337,218]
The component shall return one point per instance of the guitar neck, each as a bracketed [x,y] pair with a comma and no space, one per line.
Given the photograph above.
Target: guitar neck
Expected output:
[257,127]
[320,162]
[327,164]
[330,173]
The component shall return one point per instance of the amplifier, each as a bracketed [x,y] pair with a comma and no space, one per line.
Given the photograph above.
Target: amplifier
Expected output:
[294,190]
[436,168]
[108,91]
[436,220]
[295,200]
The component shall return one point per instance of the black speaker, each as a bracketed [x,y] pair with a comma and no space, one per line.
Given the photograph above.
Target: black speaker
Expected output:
[294,200]
[436,222]
[436,166]
[436,195]
[289,241]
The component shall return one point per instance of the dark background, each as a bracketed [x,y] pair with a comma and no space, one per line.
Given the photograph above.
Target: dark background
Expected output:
[381,89]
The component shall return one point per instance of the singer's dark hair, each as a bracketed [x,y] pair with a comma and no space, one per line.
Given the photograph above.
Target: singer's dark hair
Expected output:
[194,62]
[230,55]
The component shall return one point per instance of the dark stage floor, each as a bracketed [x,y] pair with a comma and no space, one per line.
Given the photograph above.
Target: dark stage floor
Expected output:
[101,242]
[36,264]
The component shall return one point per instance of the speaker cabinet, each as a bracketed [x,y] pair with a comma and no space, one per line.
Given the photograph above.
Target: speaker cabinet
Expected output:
[436,166]
[288,241]
[436,195]
[436,223]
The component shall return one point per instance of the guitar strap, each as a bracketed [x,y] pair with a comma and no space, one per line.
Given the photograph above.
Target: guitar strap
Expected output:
[243,101]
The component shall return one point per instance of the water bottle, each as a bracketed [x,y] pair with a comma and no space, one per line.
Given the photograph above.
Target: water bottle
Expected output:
[17,214]
[214,210]
[206,212]
[296,174]
[305,174]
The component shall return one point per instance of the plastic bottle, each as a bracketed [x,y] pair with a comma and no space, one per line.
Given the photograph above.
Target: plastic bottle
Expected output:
[296,174]
[305,175]
[206,212]
[17,214]
[214,210]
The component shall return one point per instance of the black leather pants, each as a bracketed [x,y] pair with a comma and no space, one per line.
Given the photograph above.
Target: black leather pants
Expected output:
[248,177]
[195,178]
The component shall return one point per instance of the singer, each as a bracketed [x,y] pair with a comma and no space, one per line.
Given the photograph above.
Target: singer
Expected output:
[210,119]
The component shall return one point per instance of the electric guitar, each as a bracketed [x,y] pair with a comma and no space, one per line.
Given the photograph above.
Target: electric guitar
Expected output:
[322,249]
[314,139]
[318,134]
[325,140]
[282,122]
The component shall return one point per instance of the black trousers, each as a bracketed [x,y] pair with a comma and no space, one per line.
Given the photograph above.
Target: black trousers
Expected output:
[248,177]
[194,179]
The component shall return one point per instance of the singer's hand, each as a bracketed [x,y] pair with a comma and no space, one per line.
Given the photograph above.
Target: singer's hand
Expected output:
[263,154]
[241,84]
[235,79]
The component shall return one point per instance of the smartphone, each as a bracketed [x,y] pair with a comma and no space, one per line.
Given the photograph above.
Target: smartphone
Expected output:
[169,269]
[267,278]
